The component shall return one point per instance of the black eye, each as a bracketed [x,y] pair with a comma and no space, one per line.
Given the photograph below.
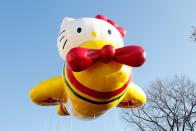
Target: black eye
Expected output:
[109,32]
[79,29]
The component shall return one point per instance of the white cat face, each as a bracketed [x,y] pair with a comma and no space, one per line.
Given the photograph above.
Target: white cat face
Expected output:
[74,32]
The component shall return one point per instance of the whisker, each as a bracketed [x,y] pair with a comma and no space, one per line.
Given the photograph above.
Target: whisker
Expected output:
[62,38]
[61,33]
[64,44]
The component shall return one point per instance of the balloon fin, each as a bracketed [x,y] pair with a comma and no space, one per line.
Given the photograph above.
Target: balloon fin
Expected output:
[49,92]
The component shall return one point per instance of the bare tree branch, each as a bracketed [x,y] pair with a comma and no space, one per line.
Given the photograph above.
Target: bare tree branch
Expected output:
[171,107]
[193,34]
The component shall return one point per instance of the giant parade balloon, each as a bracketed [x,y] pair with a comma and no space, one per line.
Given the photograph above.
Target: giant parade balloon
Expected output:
[97,74]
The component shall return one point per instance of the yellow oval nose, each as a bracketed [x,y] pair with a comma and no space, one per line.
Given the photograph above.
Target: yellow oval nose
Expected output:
[94,34]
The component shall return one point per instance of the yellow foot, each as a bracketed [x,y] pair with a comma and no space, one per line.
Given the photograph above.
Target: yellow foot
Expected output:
[61,110]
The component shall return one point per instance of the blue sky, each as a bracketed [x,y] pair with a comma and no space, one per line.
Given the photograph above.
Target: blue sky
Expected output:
[28,53]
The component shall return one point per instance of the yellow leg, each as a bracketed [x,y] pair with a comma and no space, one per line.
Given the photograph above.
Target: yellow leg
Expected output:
[133,98]
[61,110]
[49,92]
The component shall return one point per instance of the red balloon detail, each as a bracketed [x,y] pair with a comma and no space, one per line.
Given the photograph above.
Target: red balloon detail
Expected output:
[94,93]
[51,100]
[79,58]
[122,31]
[112,22]
[101,17]
[107,53]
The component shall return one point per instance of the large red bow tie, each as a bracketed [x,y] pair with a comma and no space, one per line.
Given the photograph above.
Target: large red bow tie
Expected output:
[79,58]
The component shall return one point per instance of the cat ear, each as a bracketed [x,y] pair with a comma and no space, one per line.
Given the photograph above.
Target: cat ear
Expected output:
[65,21]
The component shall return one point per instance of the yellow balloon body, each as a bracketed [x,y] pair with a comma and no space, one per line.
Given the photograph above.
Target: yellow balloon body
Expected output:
[100,78]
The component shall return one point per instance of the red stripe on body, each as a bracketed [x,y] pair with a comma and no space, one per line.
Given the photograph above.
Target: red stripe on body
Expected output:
[94,93]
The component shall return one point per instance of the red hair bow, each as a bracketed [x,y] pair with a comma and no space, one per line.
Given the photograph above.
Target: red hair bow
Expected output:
[79,58]
[120,29]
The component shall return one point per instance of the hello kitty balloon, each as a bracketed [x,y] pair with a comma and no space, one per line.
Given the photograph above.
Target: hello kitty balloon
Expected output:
[97,73]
